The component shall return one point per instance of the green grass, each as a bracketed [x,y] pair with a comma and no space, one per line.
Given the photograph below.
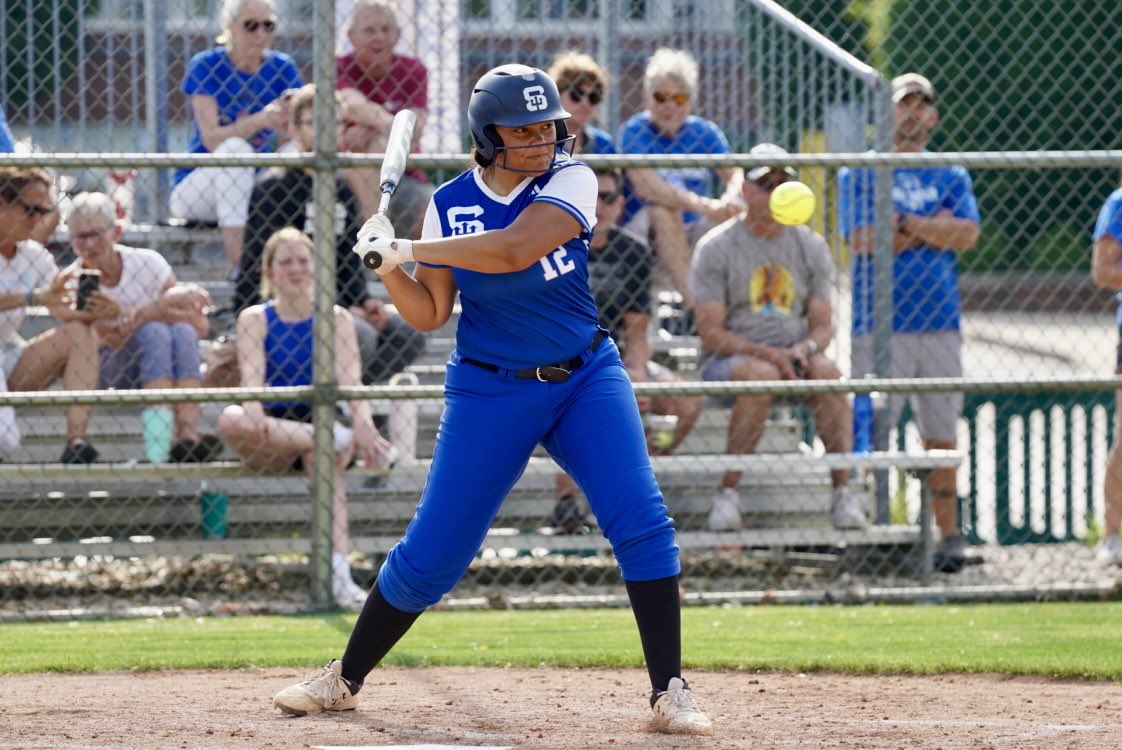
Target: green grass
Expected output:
[1054,639]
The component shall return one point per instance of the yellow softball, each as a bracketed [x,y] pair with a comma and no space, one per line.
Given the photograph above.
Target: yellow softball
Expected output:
[792,203]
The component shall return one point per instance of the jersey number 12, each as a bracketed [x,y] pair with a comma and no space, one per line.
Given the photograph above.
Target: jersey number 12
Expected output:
[555,264]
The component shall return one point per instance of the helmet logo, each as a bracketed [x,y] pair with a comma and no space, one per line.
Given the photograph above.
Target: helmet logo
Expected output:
[535,98]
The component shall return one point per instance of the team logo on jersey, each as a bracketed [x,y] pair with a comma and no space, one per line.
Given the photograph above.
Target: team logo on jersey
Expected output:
[462,219]
[535,98]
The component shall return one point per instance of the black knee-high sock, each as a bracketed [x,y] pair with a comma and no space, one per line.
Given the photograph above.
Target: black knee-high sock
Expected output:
[379,626]
[659,617]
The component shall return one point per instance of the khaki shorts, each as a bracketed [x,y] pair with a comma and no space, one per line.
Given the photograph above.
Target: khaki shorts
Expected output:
[920,355]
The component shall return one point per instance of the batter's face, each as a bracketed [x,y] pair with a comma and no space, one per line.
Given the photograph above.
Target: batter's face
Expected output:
[529,148]
[374,34]
[290,272]
[915,116]
[670,102]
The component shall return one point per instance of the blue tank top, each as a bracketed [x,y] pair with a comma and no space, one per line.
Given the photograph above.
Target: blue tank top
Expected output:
[288,356]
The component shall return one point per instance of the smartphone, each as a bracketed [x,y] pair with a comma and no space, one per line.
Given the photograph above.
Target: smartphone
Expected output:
[88,283]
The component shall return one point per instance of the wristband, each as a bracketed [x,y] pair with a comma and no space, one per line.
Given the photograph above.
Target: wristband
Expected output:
[30,299]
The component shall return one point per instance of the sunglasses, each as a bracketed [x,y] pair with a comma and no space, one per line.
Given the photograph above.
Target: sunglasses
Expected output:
[32,209]
[609,196]
[678,97]
[768,184]
[253,25]
[595,95]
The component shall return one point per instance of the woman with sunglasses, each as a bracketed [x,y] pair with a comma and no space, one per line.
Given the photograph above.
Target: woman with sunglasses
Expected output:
[237,93]
[28,276]
[532,366]
[672,208]
[582,83]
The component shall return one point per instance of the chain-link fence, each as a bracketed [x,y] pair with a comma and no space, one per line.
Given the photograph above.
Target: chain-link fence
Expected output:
[179,497]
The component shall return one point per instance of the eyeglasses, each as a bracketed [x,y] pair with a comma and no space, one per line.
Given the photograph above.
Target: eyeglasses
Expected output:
[595,95]
[608,196]
[85,238]
[33,209]
[767,184]
[678,97]
[251,25]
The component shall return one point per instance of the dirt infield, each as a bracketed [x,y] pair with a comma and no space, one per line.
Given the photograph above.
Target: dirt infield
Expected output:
[560,709]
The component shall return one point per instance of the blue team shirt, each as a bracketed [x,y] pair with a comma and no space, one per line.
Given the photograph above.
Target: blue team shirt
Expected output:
[541,314]
[212,73]
[925,293]
[597,141]
[7,142]
[1110,222]
[696,136]
[288,353]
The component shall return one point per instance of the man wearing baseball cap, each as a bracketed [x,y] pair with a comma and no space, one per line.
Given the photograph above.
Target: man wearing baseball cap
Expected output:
[761,295]
[935,218]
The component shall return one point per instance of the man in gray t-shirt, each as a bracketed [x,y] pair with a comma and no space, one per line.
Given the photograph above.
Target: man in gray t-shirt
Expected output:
[762,306]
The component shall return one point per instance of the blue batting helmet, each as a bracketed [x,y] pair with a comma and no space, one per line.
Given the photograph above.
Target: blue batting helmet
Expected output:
[512,95]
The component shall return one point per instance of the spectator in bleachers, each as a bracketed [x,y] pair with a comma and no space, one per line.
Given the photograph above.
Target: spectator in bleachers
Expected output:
[153,341]
[29,277]
[387,344]
[583,84]
[935,218]
[275,348]
[762,307]
[45,224]
[237,95]
[672,208]
[619,274]
[376,84]
[1106,270]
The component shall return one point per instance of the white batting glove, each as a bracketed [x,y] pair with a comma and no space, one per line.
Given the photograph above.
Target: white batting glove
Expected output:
[377,225]
[393,252]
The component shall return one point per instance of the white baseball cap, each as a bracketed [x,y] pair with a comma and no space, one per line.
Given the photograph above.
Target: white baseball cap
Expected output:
[912,83]
[768,149]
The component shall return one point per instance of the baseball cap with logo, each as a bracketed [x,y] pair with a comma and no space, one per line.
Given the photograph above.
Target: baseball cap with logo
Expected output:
[912,83]
[768,149]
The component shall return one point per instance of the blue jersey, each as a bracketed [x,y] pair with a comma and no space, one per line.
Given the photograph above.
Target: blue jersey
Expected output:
[696,136]
[1110,223]
[541,314]
[597,141]
[237,93]
[925,294]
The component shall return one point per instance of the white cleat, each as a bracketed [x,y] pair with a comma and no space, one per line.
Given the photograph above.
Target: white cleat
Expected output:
[846,510]
[724,514]
[676,713]
[1110,551]
[325,690]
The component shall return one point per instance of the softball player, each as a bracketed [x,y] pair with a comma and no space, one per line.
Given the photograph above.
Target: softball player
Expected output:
[531,365]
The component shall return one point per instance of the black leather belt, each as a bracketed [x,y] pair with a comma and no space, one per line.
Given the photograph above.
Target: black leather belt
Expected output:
[555,373]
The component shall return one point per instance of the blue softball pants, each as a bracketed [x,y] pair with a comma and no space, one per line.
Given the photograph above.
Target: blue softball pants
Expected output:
[491,424]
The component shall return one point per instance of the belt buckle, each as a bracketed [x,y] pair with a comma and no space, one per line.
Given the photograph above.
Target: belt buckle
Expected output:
[551,374]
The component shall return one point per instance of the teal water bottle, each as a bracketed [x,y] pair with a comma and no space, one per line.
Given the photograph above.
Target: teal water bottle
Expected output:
[212,512]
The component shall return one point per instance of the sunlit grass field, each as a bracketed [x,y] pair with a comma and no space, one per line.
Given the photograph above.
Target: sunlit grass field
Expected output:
[1076,640]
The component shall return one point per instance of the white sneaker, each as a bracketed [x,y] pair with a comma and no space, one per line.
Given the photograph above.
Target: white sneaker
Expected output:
[846,510]
[346,593]
[1110,551]
[724,514]
[325,690]
[676,713]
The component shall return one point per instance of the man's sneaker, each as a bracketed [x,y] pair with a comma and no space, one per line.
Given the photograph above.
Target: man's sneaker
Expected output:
[846,510]
[950,554]
[568,515]
[676,713]
[724,514]
[325,690]
[1110,551]
[346,593]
